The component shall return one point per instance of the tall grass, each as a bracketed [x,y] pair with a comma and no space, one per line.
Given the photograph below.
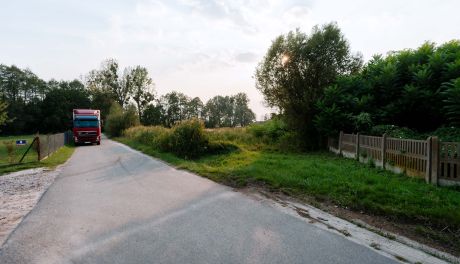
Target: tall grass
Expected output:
[10,150]
[187,139]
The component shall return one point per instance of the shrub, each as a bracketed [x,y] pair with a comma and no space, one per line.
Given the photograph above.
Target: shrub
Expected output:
[221,147]
[447,134]
[187,139]
[10,150]
[120,119]
[395,132]
[291,142]
[271,130]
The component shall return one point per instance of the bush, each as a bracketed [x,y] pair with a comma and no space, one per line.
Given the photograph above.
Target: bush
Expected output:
[187,139]
[291,142]
[221,147]
[447,134]
[271,130]
[10,150]
[119,119]
[395,132]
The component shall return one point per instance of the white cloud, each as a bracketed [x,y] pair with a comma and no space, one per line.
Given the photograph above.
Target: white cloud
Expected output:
[203,47]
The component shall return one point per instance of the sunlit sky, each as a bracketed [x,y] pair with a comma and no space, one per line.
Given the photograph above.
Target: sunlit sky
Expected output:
[203,48]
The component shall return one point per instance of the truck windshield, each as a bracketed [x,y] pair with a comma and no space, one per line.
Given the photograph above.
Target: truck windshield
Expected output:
[86,123]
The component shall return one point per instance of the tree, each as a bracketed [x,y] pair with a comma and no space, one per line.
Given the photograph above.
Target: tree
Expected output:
[121,87]
[194,108]
[142,84]
[243,116]
[3,113]
[101,96]
[153,115]
[452,101]
[214,111]
[108,81]
[298,67]
[175,107]
[120,119]
[102,100]
[58,105]
[413,89]
[23,92]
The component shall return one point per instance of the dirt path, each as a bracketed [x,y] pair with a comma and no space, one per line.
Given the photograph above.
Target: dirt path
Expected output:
[19,192]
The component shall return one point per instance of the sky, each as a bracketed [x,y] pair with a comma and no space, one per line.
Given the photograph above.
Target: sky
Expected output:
[203,47]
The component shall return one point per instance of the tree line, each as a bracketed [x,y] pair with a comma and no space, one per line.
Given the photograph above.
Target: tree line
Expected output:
[418,89]
[320,87]
[219,111]
[28,104]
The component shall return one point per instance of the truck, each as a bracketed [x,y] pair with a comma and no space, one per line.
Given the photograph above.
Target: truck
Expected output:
[86,126]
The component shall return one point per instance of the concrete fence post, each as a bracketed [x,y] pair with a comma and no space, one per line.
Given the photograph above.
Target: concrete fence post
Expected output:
[434,160]
[429,159]
[357,146]
[340,142]
[384,149]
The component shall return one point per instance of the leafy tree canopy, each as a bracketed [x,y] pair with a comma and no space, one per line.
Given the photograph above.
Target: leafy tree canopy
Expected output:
[298,67]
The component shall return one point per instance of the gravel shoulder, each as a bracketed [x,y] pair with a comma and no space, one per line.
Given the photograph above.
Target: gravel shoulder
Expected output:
[19,193]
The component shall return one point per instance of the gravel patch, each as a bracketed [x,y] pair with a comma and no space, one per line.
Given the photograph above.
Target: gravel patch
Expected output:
[19,192]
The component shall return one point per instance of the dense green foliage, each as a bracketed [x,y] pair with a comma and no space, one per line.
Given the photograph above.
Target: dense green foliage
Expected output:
[219,111]
[186,139]
[271,130]
[296,70]
[418,89]
[228,111]
[35,105]
[3,113]
[120,119]
[108,85]
[320,88]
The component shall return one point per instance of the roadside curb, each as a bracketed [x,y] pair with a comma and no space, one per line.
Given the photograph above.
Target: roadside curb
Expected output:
[394,246]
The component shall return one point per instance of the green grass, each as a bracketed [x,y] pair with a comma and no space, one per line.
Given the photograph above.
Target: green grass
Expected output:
[18,150]
[326,178]
[59,157]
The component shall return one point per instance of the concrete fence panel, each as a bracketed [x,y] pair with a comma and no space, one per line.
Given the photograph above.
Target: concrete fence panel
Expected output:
[436,162]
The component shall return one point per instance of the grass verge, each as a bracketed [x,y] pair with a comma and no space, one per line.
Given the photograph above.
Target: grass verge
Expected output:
[59,157]
[17,151]
[431,212]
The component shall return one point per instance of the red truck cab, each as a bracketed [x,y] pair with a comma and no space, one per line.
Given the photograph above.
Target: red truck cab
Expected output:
[86,126]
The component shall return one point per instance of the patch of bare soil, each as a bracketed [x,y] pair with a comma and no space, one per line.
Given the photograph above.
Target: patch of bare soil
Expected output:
[19,192]
[378,224]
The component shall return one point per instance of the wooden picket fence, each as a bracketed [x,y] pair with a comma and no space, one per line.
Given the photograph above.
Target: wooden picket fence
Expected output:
[435,161]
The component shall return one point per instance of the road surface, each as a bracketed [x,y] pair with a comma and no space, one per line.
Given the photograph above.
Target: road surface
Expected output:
[111,204]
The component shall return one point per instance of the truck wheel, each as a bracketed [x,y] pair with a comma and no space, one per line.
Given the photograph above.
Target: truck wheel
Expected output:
[98,143]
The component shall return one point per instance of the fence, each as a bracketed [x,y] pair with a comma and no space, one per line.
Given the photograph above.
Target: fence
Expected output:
[435,161]
[48,144]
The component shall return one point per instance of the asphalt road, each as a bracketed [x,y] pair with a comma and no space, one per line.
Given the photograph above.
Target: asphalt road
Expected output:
[114,205]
